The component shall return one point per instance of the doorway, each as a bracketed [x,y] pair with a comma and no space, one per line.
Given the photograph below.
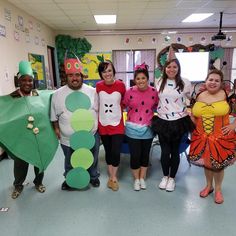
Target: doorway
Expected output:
[52,78]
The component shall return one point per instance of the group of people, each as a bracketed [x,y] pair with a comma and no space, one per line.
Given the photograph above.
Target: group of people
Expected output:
[213,136]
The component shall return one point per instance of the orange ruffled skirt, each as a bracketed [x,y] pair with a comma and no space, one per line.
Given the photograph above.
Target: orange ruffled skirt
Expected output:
[214,151]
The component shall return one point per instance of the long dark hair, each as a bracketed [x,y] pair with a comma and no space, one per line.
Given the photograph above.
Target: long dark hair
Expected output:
[178,79]
[103,66]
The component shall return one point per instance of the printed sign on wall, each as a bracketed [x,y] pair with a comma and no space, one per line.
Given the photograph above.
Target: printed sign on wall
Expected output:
[2,31]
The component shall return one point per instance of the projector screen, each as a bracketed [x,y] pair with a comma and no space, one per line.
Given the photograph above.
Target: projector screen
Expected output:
[194,65]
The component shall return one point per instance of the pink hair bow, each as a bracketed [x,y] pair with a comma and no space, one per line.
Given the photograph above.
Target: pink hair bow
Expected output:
[143,66]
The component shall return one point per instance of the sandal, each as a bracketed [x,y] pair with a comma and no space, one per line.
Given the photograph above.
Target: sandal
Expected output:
[219,199]
[40,188]
[206,191]
[16,193]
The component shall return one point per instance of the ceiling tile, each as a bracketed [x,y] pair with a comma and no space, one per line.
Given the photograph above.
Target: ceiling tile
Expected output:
[73,6]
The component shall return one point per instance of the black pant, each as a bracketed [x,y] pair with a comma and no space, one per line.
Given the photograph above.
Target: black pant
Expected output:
[139,152]
[112,145]
[169,155]
[20,173]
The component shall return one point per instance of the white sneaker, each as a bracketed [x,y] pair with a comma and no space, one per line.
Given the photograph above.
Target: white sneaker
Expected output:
[170,187]
[137,185]
[164,182]
[143,184]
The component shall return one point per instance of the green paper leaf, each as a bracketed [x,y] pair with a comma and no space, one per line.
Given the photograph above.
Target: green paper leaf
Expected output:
[163,59]
[220,53]
[82,119]
[77,100]
[82,139]
[21,142]
[78,178]
[157,73]
[82,157]
[213,55]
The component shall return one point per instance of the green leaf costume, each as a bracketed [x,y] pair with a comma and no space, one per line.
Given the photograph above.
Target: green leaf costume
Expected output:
[20,141]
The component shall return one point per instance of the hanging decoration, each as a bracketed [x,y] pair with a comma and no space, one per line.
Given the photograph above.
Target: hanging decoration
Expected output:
[167,38]
[127,40]
[140,41]
[190,39]
[203,40]
[154,40]
[215,52]
[178,39]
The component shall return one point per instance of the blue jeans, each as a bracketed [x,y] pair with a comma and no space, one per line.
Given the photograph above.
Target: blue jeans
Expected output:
[93,170]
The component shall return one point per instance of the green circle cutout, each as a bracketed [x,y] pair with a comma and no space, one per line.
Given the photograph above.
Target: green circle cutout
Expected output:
[82,119]
[78,178]
[82,139]
[82,157]
[77,100]
[68,65]
[77,65]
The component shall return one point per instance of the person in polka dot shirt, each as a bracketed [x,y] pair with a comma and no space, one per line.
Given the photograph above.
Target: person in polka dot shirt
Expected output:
[141,101]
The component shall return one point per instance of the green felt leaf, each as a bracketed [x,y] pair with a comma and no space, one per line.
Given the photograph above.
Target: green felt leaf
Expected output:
[36,149]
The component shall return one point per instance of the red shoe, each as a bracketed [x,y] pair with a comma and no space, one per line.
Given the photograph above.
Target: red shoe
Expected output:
[206,191]
[219,198]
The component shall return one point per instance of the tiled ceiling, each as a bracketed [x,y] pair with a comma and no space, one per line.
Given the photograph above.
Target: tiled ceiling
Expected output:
[131,14]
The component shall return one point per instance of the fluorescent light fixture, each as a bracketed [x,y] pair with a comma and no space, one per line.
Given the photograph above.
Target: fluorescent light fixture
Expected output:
[169,32]
[105,19]
[197,17]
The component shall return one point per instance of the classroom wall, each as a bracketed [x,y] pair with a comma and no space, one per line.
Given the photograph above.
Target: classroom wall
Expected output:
[102,42]
[14,50]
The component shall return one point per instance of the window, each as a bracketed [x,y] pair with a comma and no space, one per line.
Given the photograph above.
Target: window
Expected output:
[233,71]
[125,61]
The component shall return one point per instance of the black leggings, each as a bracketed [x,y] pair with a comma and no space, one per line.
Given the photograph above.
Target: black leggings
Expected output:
[169,155]
[139,152]
[112,145]
[20,173]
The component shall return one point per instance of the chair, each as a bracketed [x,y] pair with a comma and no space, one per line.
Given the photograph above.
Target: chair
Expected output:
[185,142]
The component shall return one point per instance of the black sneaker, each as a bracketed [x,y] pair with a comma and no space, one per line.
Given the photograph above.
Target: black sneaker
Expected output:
[65,186]
[95,182]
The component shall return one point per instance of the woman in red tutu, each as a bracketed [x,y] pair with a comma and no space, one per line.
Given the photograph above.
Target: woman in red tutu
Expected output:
[213,140]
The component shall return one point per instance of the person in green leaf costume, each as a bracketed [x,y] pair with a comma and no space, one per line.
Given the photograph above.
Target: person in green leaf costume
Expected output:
[26,132]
